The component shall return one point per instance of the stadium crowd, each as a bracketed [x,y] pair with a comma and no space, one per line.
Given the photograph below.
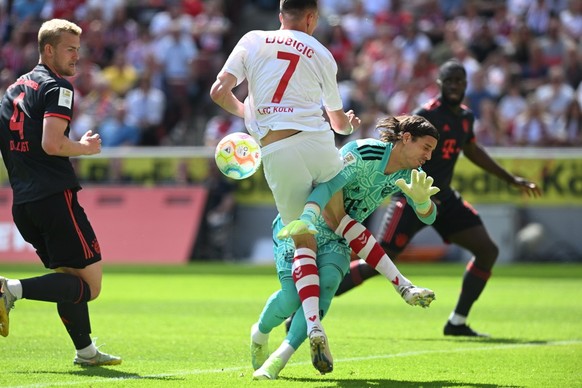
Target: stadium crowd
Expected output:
[147,65]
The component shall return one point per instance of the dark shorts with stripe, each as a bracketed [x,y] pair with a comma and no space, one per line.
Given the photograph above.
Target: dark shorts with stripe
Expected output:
[400,223]
[58,228]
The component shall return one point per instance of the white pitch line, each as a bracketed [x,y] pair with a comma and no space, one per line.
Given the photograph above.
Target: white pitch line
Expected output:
[352,359]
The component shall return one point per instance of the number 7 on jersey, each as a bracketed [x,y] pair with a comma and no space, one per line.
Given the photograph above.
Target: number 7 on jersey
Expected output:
[284,82]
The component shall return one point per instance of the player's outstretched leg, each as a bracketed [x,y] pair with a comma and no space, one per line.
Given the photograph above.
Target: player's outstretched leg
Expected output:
[474,281]
[6,304]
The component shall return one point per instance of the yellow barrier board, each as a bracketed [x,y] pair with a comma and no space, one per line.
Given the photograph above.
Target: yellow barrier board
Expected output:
[560,179]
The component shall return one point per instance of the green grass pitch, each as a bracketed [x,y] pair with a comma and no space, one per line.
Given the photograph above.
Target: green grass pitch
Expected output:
[188,326]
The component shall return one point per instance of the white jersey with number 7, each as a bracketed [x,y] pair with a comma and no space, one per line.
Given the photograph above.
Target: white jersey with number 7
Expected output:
[290,76]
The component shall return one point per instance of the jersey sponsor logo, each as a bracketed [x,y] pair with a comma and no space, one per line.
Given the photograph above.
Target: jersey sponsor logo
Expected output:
[450,148]
[65,97]
[267,110]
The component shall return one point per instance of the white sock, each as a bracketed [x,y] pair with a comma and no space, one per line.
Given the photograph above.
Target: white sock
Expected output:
[367,248]
[457,319]
[284,352]
[258,336]
[88,352]
[15,287]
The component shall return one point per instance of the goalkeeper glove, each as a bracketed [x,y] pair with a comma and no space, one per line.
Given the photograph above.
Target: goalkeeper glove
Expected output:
[304,225]
[420,189]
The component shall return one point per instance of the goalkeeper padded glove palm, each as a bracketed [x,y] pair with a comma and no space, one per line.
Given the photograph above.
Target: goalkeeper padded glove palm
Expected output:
[420,189]
[296,227]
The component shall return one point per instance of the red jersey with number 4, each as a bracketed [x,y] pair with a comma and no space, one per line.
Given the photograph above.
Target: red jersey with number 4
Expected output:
[455,130]
[34,174]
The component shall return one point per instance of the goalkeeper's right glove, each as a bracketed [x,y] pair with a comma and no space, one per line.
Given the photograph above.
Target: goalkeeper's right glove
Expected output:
[420,189]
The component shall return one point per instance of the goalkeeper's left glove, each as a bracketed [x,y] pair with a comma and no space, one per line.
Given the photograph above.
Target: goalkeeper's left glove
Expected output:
[420,189]
[304,225]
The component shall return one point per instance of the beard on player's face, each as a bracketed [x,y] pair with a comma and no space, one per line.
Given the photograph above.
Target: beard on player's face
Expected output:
[455,99]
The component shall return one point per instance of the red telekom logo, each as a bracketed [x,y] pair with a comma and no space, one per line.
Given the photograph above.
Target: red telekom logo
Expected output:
[449,148]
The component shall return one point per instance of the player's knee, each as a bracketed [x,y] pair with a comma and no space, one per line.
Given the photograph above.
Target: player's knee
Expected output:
[289,302]
[487,256]
[330,278]
[95,292]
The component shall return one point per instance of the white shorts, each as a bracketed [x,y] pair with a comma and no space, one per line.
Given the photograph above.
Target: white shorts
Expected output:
[292,167]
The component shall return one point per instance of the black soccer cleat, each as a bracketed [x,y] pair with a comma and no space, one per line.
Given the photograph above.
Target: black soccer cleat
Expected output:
[461,330]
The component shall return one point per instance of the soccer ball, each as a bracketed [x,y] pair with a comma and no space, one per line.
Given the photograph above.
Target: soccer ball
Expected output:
[238,156]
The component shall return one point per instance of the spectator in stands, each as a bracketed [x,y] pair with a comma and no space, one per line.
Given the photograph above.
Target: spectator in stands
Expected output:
[573,66]
[144,111]
[412,43]
[556,95]
[570,125]
[537,16]
[512,104]
[120,75]
[490,129]
[114,132]
[483,43]
[176,54]
[221,125]
[554,43]
[359,26]
[478,92]
[94,108]
[571,18]
[26,10]
[532,127]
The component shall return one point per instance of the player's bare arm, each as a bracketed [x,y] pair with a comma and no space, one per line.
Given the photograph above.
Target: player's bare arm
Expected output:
[477,154]
[221,93]
[56,143]
[342,122]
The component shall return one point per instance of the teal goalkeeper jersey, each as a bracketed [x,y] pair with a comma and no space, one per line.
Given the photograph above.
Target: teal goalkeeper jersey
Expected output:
[364,186]
[362,179]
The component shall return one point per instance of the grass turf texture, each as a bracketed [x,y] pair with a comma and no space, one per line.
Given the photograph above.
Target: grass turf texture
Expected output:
[189,327]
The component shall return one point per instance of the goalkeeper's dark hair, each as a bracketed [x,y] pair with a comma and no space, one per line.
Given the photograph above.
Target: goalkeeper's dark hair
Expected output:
[294,9]
[392,128]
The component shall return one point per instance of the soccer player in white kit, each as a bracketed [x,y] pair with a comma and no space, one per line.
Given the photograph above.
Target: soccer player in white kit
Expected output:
[290,76]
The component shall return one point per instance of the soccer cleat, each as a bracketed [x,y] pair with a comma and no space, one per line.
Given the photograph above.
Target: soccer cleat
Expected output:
[270,369]
[99,359]
[461,330]
[6,304]
[259,353]
[320,355]
[417,296]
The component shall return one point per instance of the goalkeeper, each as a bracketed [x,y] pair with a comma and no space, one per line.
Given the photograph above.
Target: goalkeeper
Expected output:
[373,170]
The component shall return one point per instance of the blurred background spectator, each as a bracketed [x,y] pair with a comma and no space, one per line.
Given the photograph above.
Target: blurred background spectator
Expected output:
[523,58]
